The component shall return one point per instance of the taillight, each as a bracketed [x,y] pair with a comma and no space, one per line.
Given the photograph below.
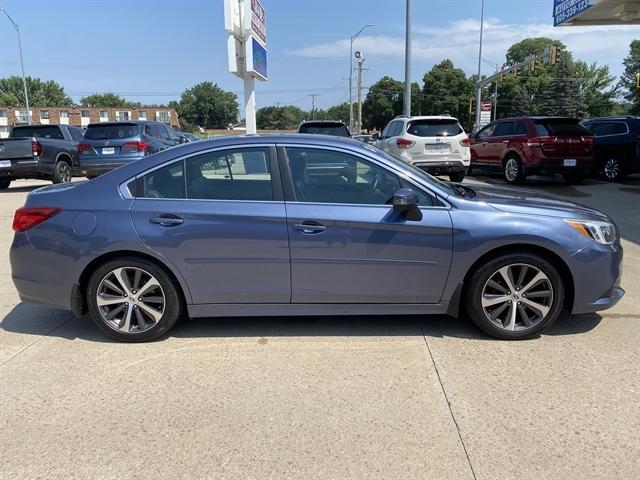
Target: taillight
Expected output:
[540,141]
[28,217]
[131,147]
[465,142]
[36,148]
[84,148]
[587,139]
[404,144]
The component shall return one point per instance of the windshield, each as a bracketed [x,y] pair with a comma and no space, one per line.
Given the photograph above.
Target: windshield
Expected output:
[335,129]
[112,132]
[429,179]
[434,128]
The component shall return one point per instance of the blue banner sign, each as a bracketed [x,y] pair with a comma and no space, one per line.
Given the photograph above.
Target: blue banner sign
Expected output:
[564,10]
[257,60]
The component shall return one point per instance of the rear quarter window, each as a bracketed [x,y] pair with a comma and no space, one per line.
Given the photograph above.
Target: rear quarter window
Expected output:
[434,128]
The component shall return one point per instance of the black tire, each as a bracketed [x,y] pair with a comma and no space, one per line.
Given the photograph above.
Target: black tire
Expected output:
[62,172]
[4,183]
[613,166]
[480,279]
[513,170]
[573,178]
[456,177]
[173,304]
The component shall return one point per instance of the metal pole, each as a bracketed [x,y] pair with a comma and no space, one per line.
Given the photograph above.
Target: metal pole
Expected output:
[24,80]
[407,63]
[495,102]
[250,104]
[479,94]
[359,124]
[353,37]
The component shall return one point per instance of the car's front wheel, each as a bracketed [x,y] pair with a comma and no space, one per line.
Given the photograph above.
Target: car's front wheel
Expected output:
[133,299]
[514,297]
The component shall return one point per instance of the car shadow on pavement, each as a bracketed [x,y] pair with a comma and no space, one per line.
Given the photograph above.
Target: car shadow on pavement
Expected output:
[21,189]
[28,319]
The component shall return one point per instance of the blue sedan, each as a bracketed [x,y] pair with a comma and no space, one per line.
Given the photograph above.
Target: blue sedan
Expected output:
[306,225]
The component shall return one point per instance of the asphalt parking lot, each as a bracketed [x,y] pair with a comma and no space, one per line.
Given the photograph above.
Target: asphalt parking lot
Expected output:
[330,398]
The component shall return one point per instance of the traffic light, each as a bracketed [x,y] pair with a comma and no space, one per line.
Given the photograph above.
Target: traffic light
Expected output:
[515,72]
[472,105]
[553,56]
[533,65]
[637,80]
[502,75]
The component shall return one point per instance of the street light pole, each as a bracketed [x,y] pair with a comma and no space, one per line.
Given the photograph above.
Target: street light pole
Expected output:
[353,37]
[479,94]
[24,81]
[407,63]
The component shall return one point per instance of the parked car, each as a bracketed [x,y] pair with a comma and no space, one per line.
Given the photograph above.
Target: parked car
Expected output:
[617,145]
[185,231]
[324,127]
[364,138]
[190,136]
[47,152]
[534,145]
[435,144]
[110,145]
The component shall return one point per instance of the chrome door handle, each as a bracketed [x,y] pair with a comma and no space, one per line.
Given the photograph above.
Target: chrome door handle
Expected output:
[309,228]
[167,220]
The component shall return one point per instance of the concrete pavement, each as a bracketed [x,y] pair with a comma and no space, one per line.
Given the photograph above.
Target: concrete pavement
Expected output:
[405,397]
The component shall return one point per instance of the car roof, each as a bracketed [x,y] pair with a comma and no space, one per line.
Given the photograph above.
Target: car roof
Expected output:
[124,122]
[320,122]
[619,117]
[427,117]
[291,138]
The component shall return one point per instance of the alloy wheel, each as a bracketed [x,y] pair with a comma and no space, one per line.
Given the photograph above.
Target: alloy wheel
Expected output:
[65,173]
[130,300]
[517,297]
[612,168]
[511,169]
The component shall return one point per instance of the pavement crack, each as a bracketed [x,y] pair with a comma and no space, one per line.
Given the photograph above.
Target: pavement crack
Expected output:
[446,397]
[32,344]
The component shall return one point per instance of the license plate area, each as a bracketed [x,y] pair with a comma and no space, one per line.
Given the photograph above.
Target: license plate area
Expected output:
[108,151]
[569,162]
[437,148]
[5,163]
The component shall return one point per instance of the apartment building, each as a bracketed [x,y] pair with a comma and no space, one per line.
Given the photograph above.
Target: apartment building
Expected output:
[82,116]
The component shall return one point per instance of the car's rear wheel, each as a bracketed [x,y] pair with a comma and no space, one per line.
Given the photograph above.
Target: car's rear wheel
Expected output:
[4,183]
[133,300]
[513,171]
[514,297]
[61,172]
[613,167]
[456,177]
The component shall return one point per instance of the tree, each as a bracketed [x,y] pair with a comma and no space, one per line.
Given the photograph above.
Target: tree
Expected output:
[41,93]
[107,100]
[207,105]
[279,118]
[447,91]
[531,46]
[563,96]
[595,84]
[628,81]
[385,101]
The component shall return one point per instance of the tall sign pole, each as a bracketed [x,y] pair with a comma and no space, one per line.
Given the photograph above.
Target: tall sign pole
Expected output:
[407,64]
[479,93]
[246,23]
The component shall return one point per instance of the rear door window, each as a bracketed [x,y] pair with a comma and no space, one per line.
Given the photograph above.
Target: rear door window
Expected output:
[165,182]
[504,129]
[396,129]
[112,132]
[521,128]
[434,128]
[560,128]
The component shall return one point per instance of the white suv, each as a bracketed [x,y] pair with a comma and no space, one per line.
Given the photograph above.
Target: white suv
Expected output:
[438,145]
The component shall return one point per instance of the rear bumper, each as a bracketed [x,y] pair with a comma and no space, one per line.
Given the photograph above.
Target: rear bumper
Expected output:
[97,166]
[449,166]
[26,169]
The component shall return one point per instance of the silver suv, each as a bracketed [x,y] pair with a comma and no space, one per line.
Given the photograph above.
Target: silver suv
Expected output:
[436,144]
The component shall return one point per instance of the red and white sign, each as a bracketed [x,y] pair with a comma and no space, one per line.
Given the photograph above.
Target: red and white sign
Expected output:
[486,106]
[255,18]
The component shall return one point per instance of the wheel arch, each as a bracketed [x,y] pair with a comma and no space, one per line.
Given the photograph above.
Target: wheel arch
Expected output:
[514,249]
[64,156]
[510,154]
[79,299]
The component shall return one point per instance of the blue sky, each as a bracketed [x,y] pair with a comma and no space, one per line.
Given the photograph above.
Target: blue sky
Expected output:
[151,50]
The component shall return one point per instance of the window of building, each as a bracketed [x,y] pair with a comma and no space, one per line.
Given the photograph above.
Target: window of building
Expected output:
[164,117]
[104,114]
[44,114]
[64,113]
[3,114]
[85,113]
[122,116]
[22,116]
[142,115]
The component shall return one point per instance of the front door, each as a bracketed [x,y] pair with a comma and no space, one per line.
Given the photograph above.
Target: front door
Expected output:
[348,245]
[220,220]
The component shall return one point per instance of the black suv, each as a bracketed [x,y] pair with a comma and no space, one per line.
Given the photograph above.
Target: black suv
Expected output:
[324,127]
[617,145]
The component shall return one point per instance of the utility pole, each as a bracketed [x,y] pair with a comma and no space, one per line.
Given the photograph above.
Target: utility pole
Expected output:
[353,37]
[358,128]
[24,80]
[407,63]
[313,105]
[479,94]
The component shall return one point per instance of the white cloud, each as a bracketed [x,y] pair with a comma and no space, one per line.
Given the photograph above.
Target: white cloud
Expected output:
[459,42]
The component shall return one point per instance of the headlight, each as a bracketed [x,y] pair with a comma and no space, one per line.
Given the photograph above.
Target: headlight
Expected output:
[602,232]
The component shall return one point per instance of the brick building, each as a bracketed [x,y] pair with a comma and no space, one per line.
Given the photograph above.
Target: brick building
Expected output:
[82,116]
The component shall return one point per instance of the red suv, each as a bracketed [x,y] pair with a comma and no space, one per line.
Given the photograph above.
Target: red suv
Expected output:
[534,145]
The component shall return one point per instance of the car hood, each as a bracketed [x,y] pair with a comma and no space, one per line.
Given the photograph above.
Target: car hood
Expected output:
[530,202]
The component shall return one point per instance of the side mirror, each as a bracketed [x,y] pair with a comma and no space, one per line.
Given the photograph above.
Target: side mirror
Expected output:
[375,136]
[405,200]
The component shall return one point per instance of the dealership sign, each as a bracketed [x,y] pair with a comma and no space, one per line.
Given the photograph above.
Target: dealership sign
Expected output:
[255,18]
[564,10]
[256,59]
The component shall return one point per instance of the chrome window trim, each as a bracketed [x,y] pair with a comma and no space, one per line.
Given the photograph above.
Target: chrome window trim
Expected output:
[410,179]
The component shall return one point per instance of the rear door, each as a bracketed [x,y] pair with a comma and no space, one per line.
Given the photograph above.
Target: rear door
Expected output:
[499,142]
[389,141]
[347,243]
[219,218]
